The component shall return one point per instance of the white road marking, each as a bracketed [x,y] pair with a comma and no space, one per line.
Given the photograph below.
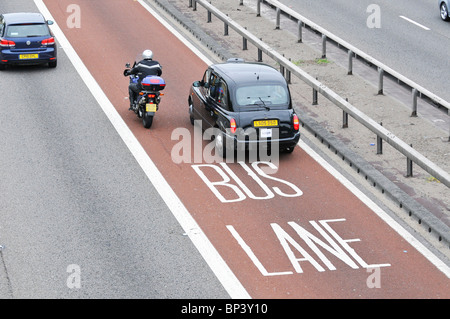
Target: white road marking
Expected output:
[207,250]
[377,210]
[189,225]
[414,22]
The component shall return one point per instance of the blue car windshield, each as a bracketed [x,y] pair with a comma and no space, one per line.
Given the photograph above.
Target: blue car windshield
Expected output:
[27,30]
[265,95]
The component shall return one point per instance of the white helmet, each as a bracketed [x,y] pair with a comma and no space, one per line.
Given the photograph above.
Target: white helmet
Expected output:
[147,55]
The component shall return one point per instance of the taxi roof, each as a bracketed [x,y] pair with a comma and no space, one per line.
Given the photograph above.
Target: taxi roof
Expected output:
[241,72]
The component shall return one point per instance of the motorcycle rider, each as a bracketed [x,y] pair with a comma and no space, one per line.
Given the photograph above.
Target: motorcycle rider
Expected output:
[147,66]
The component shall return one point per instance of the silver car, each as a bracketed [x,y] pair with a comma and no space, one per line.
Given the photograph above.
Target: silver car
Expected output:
[443,6]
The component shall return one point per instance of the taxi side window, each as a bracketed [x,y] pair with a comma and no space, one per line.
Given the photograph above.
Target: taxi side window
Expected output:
[222,94]
[213,85]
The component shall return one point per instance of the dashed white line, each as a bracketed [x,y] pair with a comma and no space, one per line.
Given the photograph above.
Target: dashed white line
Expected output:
[416,23]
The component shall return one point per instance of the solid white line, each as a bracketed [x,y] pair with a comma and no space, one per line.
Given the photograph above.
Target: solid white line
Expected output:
[377,210]
[414,22]
[189,225]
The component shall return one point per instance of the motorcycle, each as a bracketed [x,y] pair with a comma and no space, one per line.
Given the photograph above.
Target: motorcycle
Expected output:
[147,103]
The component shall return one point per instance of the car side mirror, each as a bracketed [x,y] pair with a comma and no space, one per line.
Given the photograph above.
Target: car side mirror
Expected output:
[199,84]
[50,22]
[127,65]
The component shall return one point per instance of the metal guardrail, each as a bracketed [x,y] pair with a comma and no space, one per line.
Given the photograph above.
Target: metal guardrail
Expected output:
[417,90]
[382,134]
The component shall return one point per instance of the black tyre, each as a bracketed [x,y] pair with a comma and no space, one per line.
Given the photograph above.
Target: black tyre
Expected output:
[190,111]
[147,120]
[444,12]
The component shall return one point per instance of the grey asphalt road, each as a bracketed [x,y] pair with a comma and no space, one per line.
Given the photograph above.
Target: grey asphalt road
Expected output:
[417,53]
[78,217]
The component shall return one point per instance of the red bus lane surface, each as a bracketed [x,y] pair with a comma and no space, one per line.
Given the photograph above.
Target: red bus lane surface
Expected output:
[294,233]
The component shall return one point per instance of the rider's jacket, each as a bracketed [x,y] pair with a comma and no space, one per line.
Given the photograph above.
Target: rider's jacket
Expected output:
[146,67]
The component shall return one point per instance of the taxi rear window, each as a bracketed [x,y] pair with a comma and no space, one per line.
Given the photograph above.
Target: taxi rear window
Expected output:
[270,94]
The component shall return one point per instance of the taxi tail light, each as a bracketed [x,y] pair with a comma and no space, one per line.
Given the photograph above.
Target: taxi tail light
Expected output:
[233,126]
[7,43]
[49,41]
[296,122]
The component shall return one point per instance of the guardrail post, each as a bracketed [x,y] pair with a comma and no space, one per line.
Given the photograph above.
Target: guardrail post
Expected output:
[409,166]
[315,96]
[415,93]
[379,143]
[345,117]
[259,55]
[277,24]
[190,4]
[241,3]
[225,29]
[288,75]
[244,41]
[209,17]
[350,62]
[194,5]
[300,31]
[380,80]
[258,8]
[324,46]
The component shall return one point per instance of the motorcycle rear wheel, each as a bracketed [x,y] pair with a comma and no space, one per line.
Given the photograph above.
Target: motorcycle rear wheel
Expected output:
[147,120]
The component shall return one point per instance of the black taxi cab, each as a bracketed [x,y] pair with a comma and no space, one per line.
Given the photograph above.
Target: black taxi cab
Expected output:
[248,104]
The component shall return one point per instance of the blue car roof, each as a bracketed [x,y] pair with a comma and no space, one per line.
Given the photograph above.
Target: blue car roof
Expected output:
[23,17]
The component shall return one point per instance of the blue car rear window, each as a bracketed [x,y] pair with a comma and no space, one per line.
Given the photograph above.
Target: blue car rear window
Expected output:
[27,30]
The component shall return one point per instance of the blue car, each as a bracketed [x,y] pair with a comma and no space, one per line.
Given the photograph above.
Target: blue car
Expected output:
[25,38]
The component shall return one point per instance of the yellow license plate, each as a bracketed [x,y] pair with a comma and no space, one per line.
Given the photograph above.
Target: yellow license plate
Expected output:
[150,107]
[265,123]
[28,56]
